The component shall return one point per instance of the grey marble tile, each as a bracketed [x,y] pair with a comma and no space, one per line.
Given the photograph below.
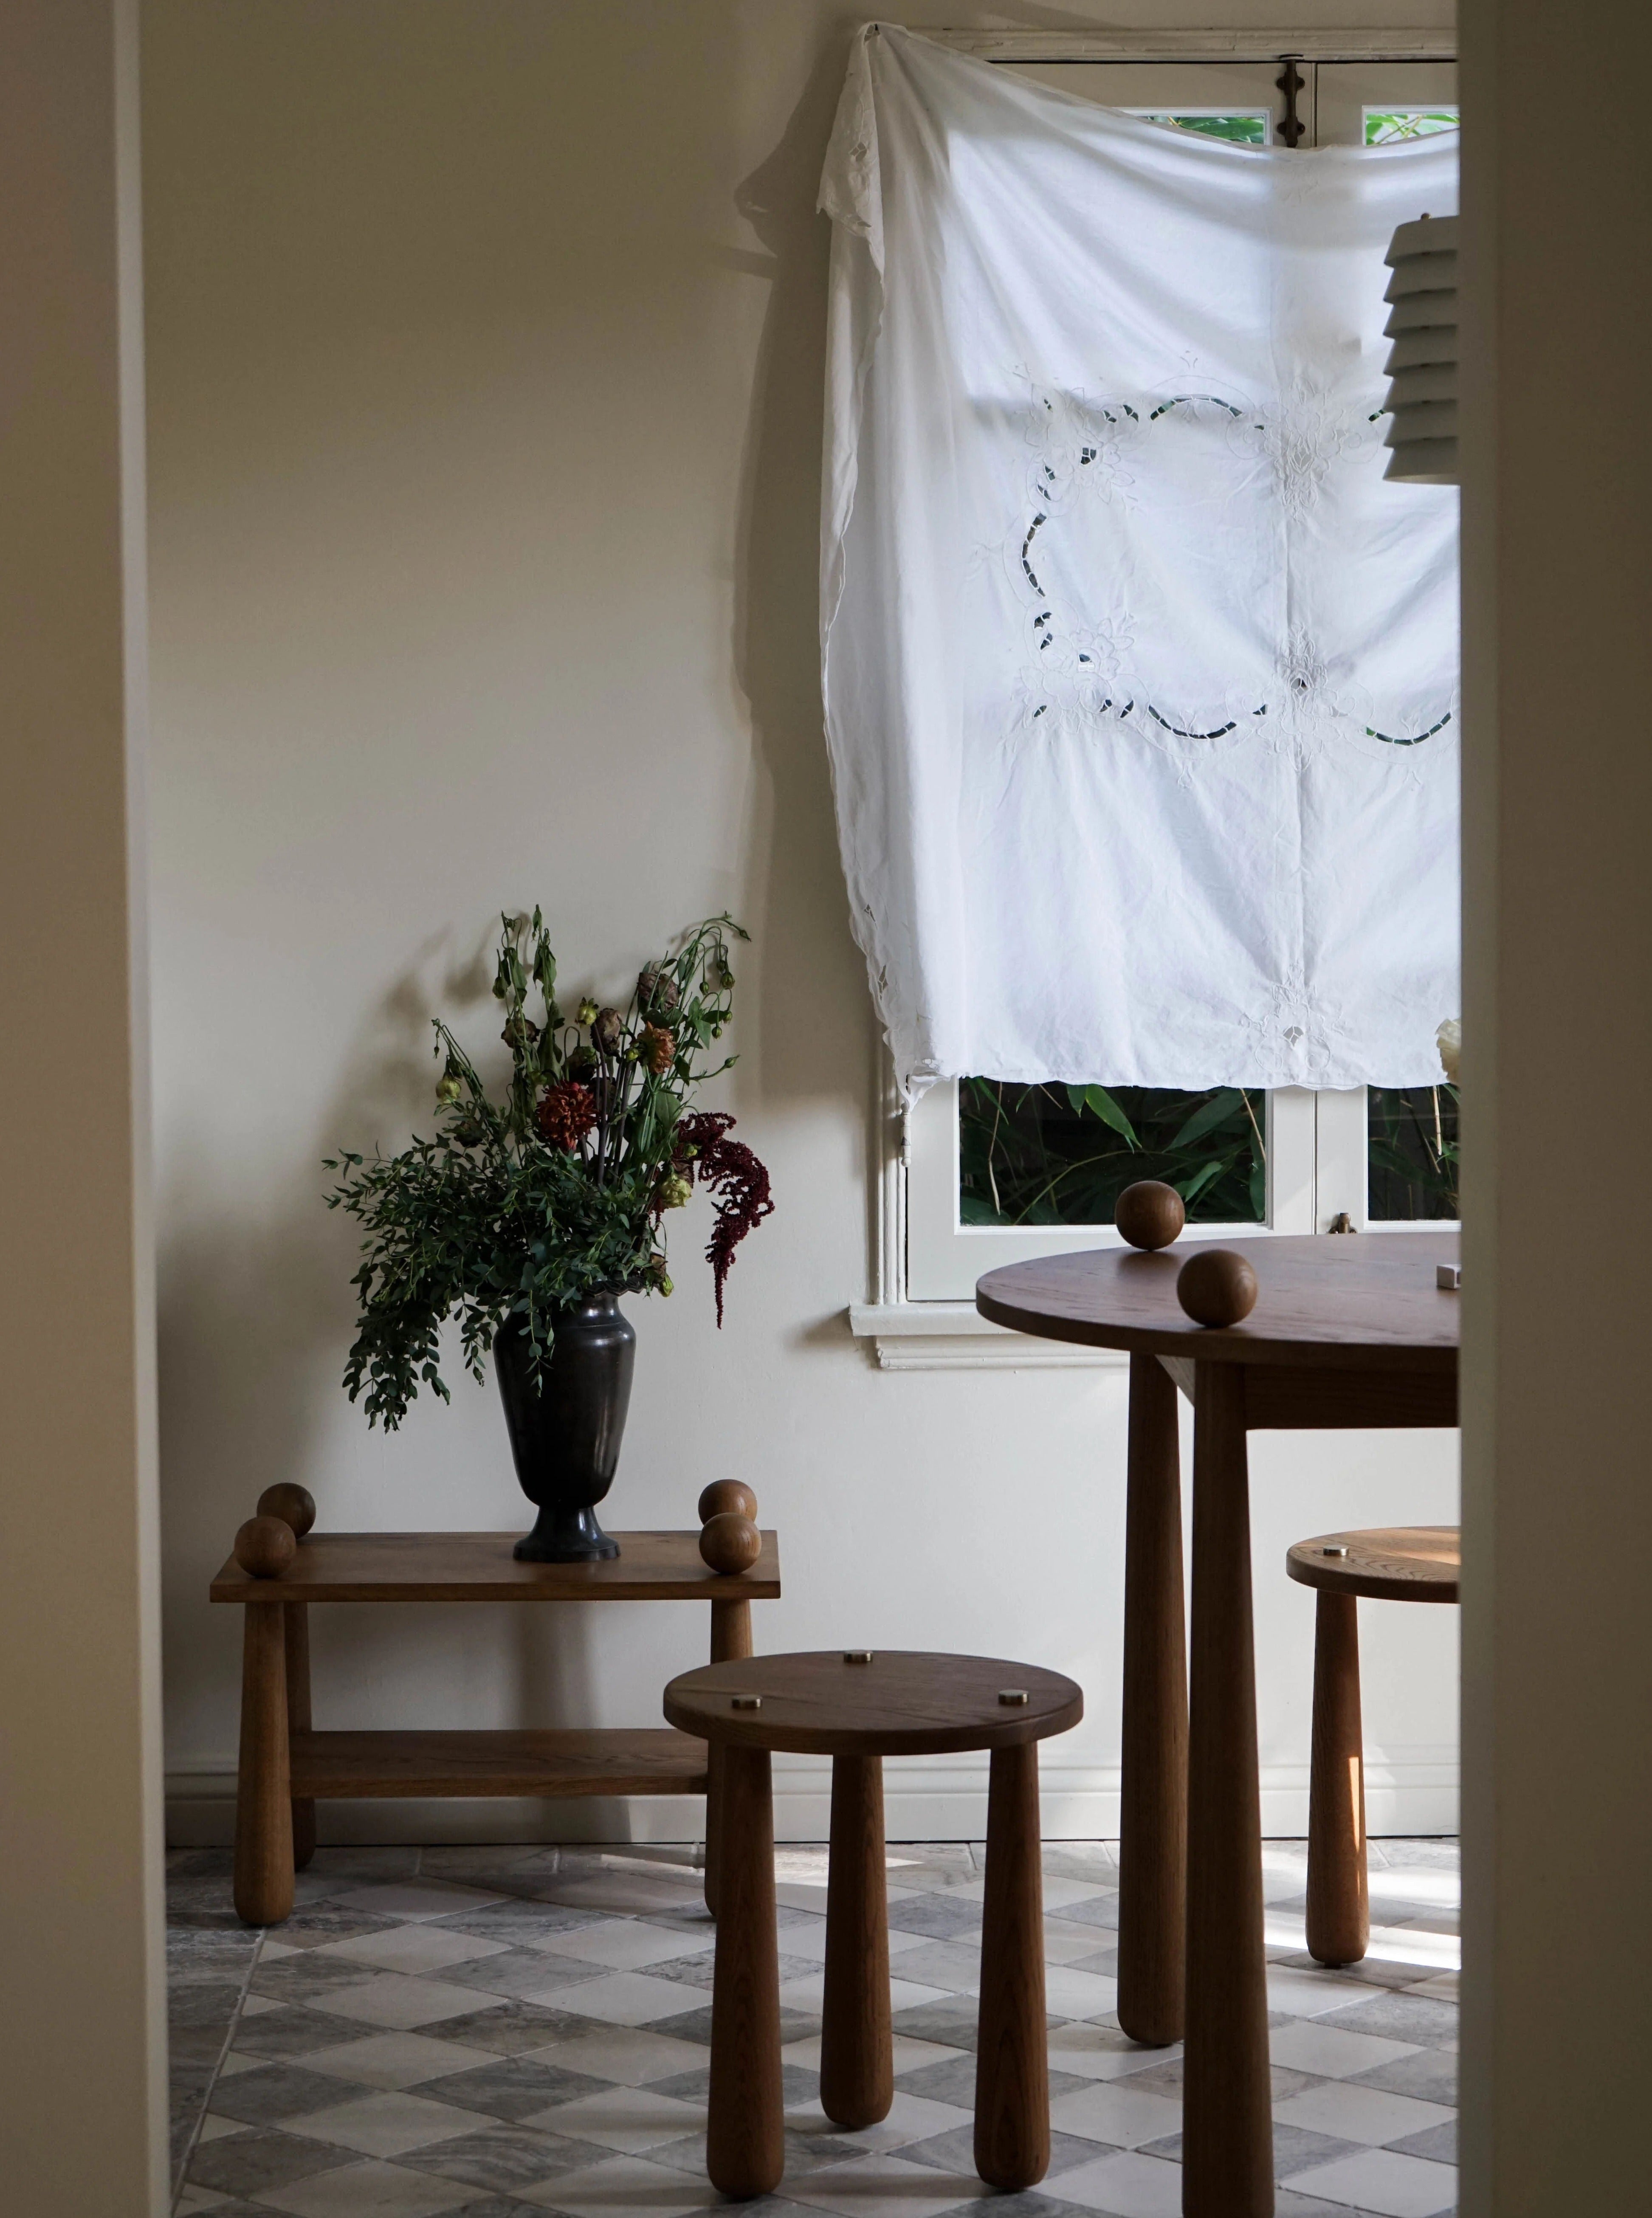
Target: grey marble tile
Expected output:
[1431,2075]
[195,2003]
[939,1915]
[1422,2018]
[798,2085]
[518,1972]
[1100,1909]
[252,2163]
[275,2091]
[521,1920]
[1438,2143]
[954,2151]
[951,2023]
[510,2087]
[505,2156]
[695,2025]
[317,1923]
[506,2028]
[293,2031]
[300,1978]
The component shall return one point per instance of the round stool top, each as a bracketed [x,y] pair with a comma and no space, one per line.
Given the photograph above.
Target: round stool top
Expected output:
[889,1701]
[1395,1563]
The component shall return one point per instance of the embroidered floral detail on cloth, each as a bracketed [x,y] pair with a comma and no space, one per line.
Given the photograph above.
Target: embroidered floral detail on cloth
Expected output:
[1141,681]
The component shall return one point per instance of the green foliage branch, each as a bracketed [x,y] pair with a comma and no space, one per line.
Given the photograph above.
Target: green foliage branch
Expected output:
[525,1207]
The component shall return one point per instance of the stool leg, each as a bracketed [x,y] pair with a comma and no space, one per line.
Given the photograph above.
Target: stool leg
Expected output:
[857,2045]
[745,2123]
[264,1809]
[298,1719]
[1012,2058]
[1339,1911]
[731,1639]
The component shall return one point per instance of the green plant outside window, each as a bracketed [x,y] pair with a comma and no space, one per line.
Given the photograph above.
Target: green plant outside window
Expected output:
[1062,1155]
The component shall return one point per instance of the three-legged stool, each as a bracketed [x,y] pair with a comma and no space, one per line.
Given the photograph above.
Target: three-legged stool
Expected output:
[857,1708]
[1401,1563]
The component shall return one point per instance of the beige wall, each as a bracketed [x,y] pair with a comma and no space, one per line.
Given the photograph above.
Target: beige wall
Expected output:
[1558,1683]
[486,368]
[83,2060]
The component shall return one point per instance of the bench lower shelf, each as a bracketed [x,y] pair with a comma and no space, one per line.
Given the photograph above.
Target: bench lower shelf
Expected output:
[326,1766]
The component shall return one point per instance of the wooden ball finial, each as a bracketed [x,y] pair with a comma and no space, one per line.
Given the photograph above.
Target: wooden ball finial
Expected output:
[1149,1214]
[1216,1286]
[730,1543]
[294,1505]
[724,1495]
[264,1547]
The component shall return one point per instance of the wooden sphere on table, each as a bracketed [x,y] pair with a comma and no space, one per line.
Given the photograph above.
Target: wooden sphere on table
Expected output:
[1216,1286]
[294,1505]
[264,1547]
[730,1543]
[1149,1214]
[724,1495]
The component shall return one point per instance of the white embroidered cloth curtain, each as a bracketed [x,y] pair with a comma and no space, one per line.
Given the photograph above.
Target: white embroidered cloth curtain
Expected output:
[1140,683]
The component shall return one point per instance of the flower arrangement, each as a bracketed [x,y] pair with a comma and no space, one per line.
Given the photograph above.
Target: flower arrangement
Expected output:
[523,1207]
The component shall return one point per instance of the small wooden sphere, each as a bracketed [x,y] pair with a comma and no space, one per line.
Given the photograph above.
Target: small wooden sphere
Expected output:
[1149,1214]
[264,1547]
[730,1543]
[724,1495]
[294,1505]
[1216,1286]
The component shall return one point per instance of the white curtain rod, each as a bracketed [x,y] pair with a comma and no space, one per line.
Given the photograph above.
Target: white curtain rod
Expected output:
[1309,44]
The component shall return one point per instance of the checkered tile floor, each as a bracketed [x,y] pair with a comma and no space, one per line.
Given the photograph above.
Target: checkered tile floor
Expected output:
[498,2032]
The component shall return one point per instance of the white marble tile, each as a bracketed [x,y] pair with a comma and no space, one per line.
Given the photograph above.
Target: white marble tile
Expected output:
[1382,2181]
[910,2118]
[624,2187]
[368,2191]
[1311,1994]
[413,1899]
[391,2059]
[1331,2051]
[1070,1993]
[807,1992]
[1125,2184]
[386,2123]
[1113,2110]
[1102,2052]
[625,1944]
[632,2120]
[217,2129]
[630,2055]
[1360,2114]
[391,1998]
[909,2055]
[882,2186]
[624,1999]
[414,1949]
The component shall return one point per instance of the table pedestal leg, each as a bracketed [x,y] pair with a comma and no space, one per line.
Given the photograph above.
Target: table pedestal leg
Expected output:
[744,2124]
[1339,1913]
[1226,2126]
[298,1719]
[1153,1846]
[264,1809]
[731,1640]
[1011,2057]
[857,2046]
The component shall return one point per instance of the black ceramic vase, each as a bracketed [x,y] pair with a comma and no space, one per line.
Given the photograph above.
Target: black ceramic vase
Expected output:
[566,1426]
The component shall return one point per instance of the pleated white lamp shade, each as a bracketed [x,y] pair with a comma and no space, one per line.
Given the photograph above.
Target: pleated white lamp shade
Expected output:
[1422,363]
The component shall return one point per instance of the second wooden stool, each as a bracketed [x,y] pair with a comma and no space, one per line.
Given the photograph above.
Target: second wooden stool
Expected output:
[1401,1563]
[857,1708]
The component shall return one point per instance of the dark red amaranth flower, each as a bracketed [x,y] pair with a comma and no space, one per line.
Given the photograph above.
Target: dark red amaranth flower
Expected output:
[734,1174]
[566,1112]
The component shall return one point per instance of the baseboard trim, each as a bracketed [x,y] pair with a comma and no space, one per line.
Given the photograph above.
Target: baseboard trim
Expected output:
[1413,1792]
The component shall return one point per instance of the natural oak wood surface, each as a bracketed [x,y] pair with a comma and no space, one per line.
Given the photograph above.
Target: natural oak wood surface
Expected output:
[1011,2048]
[263,1815]
[857,2042]
[298,1708]
[480,1567]
[1395,1563]
[731,1639]
[526,1761]
[1339,1909]
[746,2150]
[901,1703]
[1227,2125]
[1153,1847]
[1354,1302]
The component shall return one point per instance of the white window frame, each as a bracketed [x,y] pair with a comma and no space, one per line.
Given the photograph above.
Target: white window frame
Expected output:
[922,1314]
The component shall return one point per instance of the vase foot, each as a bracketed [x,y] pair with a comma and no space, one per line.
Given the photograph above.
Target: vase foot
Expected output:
[565,1536]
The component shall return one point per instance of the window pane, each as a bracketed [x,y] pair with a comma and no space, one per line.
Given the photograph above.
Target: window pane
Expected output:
[1060,1154]
[1413,1152]
[1384,125]
[1245,130]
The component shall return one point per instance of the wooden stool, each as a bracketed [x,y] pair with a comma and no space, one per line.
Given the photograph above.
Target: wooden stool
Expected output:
[1402,1563]
[857,1708]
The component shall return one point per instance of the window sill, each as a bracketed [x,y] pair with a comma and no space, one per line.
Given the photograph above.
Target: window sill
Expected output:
[955,1336]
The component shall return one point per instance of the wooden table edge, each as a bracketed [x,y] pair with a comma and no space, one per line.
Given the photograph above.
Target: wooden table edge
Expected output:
[511,1583]
[1212,1344]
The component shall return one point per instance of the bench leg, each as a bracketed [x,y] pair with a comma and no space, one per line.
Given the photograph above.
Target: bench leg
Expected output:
[1339,1911]
[264,1809]
[298,1719]
[1011,2060]
[745,2122]
[857,2045]
[731,1641]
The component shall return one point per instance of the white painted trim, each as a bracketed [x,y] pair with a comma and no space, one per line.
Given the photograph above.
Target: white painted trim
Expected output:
[1420,43]
[955,1336]
[1409,1791]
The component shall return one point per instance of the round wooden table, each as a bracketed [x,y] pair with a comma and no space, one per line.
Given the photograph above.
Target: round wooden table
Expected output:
[1347,1331]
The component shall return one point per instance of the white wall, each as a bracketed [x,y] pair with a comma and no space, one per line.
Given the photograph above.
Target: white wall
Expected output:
[484,365]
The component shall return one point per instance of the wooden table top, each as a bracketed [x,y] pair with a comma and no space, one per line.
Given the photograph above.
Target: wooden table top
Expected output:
[1395,1563]
[896,1702]
[480,1567]
[1349,1301]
